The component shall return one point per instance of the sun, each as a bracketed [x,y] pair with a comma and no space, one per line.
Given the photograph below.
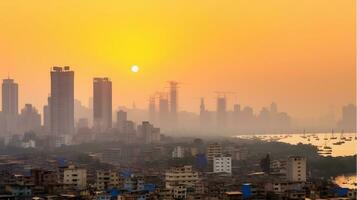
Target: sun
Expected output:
[135,69]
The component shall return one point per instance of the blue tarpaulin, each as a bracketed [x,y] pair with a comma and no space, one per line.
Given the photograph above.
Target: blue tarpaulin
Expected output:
[341,192]
[62,162]
[126,174]
[114,192]
[246,190]
[201,161]
[149,187]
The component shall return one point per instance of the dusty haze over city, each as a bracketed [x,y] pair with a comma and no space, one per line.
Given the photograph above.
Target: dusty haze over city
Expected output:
[299,55]
[178,99]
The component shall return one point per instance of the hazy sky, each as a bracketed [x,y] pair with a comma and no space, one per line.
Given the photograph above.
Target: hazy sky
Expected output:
[298,53]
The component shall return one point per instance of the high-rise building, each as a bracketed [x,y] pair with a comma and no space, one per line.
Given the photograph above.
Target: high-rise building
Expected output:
[10,97]
[102,104]
[47,115]
[273,108]
[348,121]
[149,133]
[164,110]
[173,103]
[30,119]
[203,113]
[152,109]
[10,106]
[221,111]
[62,101]
[296,169]
[122,118]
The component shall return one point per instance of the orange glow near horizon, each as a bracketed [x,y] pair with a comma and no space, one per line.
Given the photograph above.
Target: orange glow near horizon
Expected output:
[298,53]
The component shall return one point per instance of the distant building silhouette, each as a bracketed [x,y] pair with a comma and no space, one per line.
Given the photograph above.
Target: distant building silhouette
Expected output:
[164,110]
[81,111]
[10,97]
[47,115]
[204,115]
[102,104]
[273,108]
[83,123]
[62,101]
[10,105]
[221,111]
[149,133]
[122,118]
[348,121]
[173,103]
[152,109]
[30,119]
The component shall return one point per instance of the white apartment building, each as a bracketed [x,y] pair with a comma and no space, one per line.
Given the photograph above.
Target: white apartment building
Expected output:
[75,176]
[296,169]
[180,176]
[178,152]
[222,164]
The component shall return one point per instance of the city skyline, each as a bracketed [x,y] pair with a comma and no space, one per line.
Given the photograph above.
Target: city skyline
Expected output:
[176,100]
[64,114]
[165,94]
[306,67]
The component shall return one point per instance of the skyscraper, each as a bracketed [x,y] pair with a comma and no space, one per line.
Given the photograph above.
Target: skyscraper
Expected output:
[348,121]
[62,101]
[10,93]
[164,110]
[102,104]
[10,106]
[203,115]
[47,115]
[221,111]
[173,103]
[152,109]
[121,120]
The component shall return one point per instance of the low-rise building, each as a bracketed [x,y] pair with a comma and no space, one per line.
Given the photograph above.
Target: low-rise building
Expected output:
[178,152]
[214,150]
[222,164]
[180,176]
[107,180]
[180,192]
[75,176]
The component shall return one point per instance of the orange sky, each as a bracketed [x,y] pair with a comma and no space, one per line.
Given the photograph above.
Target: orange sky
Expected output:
[298,53]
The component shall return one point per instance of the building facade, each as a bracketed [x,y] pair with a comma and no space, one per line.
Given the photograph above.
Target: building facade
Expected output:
[107,180]
[214,150]
[10,97]
[178,152]
[62,101]
[222,164]
[296,169]
[75,176]
[180,176]
[102,104]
